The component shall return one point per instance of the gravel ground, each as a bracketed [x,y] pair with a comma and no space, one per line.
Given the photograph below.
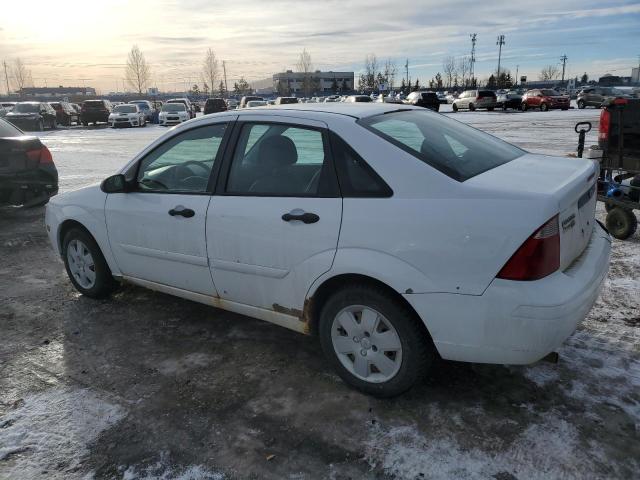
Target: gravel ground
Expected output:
[145,386]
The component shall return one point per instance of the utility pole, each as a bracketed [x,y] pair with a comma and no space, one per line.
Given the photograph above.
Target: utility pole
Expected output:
[500,42]
[406,67]
[6,77]
[517,67]
[473,54]
[226,89]
[563,59]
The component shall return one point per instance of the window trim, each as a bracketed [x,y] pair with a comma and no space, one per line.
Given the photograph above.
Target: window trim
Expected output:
[215,171]
[223,178]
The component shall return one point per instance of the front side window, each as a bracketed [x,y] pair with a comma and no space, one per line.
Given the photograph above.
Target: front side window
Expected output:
[280,160]
[183,163]
[455,149]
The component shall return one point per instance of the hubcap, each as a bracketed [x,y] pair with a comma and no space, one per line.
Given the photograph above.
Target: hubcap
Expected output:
[81,264]
[366,344]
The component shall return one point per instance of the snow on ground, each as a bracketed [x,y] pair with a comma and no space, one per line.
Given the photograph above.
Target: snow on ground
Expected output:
[47,434]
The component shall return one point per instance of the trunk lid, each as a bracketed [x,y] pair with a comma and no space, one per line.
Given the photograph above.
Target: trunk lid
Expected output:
[570,183]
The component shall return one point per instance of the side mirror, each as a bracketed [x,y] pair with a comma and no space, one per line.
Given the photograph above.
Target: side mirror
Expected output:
[114,184]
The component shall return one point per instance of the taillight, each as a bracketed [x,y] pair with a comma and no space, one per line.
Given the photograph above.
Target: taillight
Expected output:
[605,124]
[538,256]
[41,155]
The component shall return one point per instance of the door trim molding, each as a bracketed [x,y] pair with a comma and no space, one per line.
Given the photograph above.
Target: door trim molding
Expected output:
[249,269]
[161,254]
[282,319]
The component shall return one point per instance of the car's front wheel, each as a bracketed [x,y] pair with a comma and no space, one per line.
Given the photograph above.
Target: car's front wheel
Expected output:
[454,107]
[581,104]
[85,264]
[472,107]
[374,342]
[544,107]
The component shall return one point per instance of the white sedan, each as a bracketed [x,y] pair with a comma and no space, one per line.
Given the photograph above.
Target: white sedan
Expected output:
[173,114]
[396,235]
[127,115]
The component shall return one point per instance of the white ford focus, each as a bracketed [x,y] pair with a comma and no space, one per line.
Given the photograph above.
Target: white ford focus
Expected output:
[393,233]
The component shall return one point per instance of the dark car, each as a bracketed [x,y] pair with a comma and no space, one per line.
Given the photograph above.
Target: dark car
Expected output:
[286,100]
[215,105]
[598,96]
[428,100]
[509,100]
[243,102]
[545,99]
[28,175]
[94,111]
[146,107]
[65,113]
[358,99]
[32,116]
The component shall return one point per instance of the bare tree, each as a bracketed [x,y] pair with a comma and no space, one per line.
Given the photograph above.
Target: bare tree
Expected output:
[550,72]
[21,74]
[305,65]
[371,71]
[210,69]
[389,74]
[449,68]
[138,73]
[464,68]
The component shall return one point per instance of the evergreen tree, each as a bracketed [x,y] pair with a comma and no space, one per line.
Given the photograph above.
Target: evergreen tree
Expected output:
[362,83]
[334,86]
[584,78]
[438,79]
[222,92]
[417,85]
[344,88]
[403,86]
[491,82]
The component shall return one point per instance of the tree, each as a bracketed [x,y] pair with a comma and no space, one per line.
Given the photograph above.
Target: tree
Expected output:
[449,69]
[283,88]
[22,75]
[370,71]
[195,90]
[438,79]
[334,86]
[210,68]
[585,78]
[344,87]
[416,87]
[389,73]
[403,86]
[241,87]
[222,92]
[138,73]
[491,81]
[305,66]
[362,83]
[464,68]
[205,88]
[550,72]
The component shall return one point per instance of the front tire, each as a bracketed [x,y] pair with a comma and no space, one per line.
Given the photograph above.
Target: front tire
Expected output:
[86,267]
[472,107]
[373,341]
[455,107]
[544,107]
[581,104]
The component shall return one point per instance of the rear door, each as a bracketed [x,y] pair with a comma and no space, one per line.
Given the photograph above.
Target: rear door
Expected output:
[273,226]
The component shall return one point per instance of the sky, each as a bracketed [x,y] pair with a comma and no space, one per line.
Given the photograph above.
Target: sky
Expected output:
[86,42]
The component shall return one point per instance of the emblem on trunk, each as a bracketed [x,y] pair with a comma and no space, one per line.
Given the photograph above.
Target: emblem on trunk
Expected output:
[568,222]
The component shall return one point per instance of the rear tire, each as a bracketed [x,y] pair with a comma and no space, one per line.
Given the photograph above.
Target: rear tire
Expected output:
[524,107]
[454,107]
[544,107]
[355,323]
[472,107]
[86,267]
[581,104]
[621,223]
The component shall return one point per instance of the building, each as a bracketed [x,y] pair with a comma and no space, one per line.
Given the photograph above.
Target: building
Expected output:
[57,92]
[635,75]
[321,82]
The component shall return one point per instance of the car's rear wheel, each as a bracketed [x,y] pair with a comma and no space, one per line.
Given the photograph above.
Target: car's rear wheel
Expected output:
[85,264]
[454,107]
[621,222]
[524,107]
[581,104]
[472,107]
[544,107]
[373,341]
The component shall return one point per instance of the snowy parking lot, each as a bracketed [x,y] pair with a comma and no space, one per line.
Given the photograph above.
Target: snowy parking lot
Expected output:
[144,385]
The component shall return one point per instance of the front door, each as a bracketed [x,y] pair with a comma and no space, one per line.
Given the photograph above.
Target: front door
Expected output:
[273,227]
[157,231]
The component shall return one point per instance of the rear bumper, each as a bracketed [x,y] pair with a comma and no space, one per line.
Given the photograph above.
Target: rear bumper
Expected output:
[516,322]
[29,188]
[25,124]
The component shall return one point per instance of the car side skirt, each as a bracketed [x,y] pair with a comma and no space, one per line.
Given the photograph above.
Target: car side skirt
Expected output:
[285,320]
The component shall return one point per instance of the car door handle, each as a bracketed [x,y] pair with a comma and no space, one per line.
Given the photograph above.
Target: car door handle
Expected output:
[304,217]
[180,210]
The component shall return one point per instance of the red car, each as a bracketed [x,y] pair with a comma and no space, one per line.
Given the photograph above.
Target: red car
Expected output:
[544,99]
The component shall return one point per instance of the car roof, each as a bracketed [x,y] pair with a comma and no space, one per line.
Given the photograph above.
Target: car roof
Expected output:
[355,110]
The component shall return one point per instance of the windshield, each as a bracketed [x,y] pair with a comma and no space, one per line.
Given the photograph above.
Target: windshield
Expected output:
[549,93]
[141,105]
[452,147]
[125,109]
[27,108]
[174,107]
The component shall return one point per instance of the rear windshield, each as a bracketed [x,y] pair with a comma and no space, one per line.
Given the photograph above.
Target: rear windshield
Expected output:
[125,109]
[485,93]
[426,95]
[455,149]
[93,103]
[8,130]
[27,108]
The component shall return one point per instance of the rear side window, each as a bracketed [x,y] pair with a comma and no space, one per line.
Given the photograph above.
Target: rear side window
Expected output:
[8,130]
[455,149]
[486,93]
[356,177]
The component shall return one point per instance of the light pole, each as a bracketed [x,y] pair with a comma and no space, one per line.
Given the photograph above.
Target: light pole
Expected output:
[563,59]
[500,42]
[473,53]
